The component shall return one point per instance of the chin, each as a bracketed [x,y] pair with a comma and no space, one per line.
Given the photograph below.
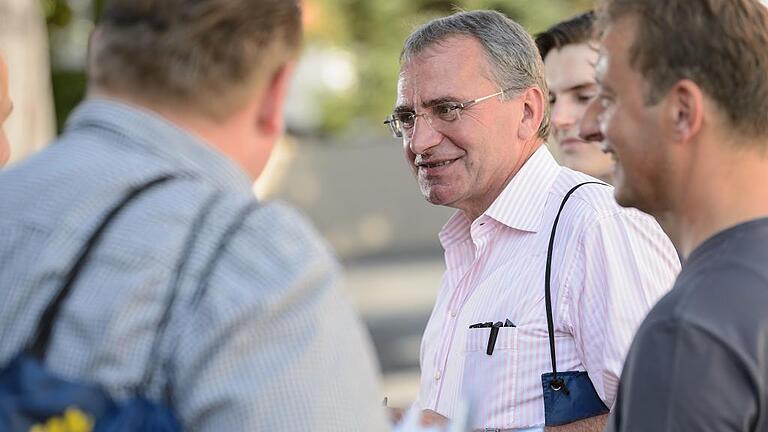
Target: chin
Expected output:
[577,162]
[623,200]
[625,197]
[437,195]
[435,199]
[630,199]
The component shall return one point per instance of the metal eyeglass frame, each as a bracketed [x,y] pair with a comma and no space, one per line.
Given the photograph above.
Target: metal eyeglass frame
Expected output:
[445,111]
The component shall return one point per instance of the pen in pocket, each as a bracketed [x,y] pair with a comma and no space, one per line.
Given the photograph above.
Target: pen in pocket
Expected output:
[494,332]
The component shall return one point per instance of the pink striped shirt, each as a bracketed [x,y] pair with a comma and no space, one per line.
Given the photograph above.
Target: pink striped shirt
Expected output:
[610,265]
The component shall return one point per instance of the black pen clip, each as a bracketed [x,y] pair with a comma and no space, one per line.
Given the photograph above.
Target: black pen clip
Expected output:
[492,337]
[481,325]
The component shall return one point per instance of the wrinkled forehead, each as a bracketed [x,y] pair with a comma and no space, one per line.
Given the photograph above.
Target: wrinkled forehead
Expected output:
[455,67]
[616,42]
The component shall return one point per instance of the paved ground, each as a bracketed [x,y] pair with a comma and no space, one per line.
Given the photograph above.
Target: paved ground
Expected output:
[395,297]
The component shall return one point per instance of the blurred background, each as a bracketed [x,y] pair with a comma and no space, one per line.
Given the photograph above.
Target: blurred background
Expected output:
[337,163]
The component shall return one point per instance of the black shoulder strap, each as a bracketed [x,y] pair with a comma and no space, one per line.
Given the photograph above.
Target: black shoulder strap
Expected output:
[547,281]
[39,344]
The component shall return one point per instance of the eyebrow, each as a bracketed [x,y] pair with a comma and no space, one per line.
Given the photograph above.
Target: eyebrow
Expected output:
[427,103]
[579,87]
[438,101]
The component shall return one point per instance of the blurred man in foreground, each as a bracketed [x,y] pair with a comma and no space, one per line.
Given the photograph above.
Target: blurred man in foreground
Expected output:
[6,107]
[472,117]
[186,96]
[683,107]
[569,51]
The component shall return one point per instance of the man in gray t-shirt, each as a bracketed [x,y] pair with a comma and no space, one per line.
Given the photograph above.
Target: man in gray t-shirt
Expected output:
[682,103]
[699,361]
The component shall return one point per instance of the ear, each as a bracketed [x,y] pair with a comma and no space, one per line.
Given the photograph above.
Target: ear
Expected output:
[685,110]
[93,39]
[532,115]
[270,114]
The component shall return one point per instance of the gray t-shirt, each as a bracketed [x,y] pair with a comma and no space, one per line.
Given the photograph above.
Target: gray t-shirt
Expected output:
[699,361]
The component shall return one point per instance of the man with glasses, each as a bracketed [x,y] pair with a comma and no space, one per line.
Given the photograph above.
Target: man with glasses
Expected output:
[472,115]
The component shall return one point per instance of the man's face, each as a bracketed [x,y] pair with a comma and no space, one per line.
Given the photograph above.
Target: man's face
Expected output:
[466,163]
[5,111]
[633,131]
[570,73]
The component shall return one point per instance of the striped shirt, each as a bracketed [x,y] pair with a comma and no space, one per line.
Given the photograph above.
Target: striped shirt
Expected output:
[610,265]
[259,337]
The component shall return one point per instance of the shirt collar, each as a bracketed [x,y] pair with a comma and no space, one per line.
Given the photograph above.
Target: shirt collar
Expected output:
[456,230]
[161,137]
[521,204]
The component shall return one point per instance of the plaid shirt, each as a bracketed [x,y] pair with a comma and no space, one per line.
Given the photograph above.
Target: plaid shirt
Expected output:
[258,337]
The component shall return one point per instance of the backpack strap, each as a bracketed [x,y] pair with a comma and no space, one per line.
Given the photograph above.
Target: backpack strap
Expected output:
[154,361]
[556,382]
[38,347]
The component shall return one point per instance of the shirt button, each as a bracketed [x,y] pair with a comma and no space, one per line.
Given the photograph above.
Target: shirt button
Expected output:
[437,376]
[453,314]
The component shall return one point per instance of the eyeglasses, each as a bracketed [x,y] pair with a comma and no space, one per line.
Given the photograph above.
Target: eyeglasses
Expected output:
[402,122]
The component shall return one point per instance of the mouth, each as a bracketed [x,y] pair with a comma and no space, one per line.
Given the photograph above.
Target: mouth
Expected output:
[569,144]
[435,165]
[571,141]
[607,149]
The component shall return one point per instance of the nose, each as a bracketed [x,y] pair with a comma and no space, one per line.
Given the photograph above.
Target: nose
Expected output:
[589,128]
[563,116]
[423,137]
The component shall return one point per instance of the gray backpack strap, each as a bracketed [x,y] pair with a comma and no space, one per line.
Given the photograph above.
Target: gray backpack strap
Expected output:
[38,346]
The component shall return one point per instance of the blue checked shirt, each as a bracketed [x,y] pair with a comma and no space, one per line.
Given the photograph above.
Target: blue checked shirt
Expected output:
[258,337]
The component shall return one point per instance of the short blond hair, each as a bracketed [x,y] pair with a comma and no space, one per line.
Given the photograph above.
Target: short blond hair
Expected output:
[201,55]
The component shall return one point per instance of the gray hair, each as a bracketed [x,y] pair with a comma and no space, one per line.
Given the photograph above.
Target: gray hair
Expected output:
[512,54]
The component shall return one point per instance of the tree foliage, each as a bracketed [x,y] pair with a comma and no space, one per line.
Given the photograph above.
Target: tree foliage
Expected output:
[373,32]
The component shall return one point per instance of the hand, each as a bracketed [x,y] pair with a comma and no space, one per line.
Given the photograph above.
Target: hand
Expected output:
[591,424]
[395,414]
[431,418]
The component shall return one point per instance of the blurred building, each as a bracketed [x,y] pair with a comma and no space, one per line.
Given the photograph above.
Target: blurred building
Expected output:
[24,45]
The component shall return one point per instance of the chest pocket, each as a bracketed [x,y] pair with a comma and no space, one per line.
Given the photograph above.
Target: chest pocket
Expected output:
[489,380]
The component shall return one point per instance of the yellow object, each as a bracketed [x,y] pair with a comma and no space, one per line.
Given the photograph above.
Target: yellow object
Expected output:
[73,420]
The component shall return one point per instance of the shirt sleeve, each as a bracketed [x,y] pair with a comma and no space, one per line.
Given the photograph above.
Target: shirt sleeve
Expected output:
[273,345]
[623,265]
[680,378]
